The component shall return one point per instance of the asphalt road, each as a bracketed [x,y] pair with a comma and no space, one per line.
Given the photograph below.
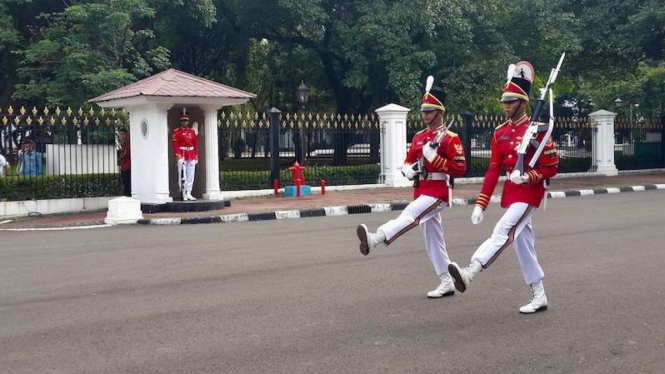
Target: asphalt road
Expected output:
[296,296]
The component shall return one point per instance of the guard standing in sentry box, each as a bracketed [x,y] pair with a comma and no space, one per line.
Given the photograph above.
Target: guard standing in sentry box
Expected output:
[186,147]
[514,143]
[436,154]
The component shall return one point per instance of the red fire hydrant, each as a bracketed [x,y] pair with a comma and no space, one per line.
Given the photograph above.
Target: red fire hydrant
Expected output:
[297,180]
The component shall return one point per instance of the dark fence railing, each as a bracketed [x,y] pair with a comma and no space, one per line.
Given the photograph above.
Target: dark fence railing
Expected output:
[638,144]
[55,154]
[72,154]
[340,149]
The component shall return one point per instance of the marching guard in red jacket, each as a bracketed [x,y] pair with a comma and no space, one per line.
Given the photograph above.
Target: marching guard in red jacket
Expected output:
[521,194]
[186,148]
[431,192]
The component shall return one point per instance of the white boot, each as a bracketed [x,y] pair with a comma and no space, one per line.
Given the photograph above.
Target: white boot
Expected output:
[446,288]
[190,197]
[184,196]
[369,240]
[464,276]
[538,300]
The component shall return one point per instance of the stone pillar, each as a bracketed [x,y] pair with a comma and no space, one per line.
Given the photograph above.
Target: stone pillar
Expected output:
[211,154]
[393,144]
[150,140]
[603,142]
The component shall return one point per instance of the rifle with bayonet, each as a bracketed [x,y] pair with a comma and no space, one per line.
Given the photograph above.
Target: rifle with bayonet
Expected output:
[534,129]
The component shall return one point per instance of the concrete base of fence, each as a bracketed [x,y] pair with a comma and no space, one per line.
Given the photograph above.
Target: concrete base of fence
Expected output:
[55,206]
[123,211]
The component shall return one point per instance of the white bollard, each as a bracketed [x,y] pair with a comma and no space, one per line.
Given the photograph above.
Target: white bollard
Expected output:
[123,211]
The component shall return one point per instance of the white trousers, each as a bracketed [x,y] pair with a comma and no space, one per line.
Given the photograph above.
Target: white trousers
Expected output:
[190,168]
[514,227]
[423,211]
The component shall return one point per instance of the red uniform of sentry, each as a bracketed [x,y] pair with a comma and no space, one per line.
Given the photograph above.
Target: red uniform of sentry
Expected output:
[505,141]
[185,143]
[449,159]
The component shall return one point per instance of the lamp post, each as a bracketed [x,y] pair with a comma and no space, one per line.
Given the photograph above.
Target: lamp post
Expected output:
[617,102]
[303,96]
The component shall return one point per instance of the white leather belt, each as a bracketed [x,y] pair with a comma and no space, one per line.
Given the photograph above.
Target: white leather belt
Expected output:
[436,177]
[186,148]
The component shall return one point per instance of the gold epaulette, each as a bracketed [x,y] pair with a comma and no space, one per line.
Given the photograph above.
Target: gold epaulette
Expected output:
[451,134]
[501,125]
[421,131]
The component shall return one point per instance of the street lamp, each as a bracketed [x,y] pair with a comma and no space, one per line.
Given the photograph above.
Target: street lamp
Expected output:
[303,96]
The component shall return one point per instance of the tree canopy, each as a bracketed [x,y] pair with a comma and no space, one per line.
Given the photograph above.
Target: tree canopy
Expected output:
[356,55]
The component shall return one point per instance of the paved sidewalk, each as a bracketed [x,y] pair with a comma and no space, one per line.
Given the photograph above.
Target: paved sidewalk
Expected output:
[336,198]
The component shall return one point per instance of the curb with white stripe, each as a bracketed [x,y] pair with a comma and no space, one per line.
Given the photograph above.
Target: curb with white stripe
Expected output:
[331,211]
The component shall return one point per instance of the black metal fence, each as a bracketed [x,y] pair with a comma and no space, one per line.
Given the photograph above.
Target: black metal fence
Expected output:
[638,144]
[340,149]
[55,154]
[72,154]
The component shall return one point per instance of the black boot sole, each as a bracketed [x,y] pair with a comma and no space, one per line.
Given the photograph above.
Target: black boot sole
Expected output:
[541,309]
[447,294]
[362,235]
[459,283]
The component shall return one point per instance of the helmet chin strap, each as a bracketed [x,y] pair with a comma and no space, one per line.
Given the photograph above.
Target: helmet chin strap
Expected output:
[517,114]
[439,115]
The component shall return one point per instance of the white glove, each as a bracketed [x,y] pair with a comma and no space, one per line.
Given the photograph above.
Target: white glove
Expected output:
[196,161]
[516,178]
[181,161]
[477,215]
[408,171]
[429,152]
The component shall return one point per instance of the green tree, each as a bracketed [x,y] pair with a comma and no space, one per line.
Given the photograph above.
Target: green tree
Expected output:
[87,49]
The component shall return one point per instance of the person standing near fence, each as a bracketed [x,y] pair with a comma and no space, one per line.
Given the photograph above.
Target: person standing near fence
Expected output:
[30,161]
[431,190]
[521,194]
[186,146]
[125,163]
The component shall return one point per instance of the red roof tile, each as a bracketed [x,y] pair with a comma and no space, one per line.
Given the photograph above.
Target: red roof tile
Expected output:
[174,83]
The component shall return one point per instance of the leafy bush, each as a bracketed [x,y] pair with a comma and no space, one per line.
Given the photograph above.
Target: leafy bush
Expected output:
[60,187]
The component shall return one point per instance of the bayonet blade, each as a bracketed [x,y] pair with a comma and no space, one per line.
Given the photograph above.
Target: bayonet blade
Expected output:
[555,72]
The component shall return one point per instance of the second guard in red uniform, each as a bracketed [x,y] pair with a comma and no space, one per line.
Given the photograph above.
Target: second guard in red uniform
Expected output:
[521,195]
[186,148]
[435,165]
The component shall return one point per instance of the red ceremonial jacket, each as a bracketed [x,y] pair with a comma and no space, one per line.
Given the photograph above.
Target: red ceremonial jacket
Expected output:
[449,159]
[125,156]
[507,137]
[185,143]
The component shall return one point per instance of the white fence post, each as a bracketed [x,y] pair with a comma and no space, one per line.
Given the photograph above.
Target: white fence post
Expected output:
[603,143]
[393,144]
